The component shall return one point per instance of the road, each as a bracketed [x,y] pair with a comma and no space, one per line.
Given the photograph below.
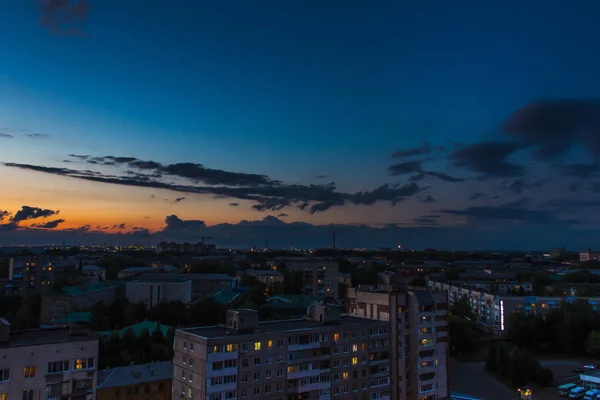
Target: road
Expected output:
[471,379]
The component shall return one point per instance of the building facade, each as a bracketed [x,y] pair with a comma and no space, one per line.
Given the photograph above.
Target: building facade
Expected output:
[59,304]
[153,292]
[47,364]
[418,339]
[318,277]
[150,381]
[323,356]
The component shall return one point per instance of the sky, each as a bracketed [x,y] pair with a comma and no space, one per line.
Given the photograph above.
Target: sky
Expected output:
[460,125]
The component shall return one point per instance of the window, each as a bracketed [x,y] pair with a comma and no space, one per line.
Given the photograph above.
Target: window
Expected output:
[256,346]
[269,360]
[270,344]
[345,349]
[191,346]
[244,347]
[191,362]
[336,363]
[147,389]
[427,388]
[256,391]
[2,396]
[190,393]
[85,363]
[257,376]
[267,388]
[184,359]
[183,374]
[28,394]
[354,348]
[184,345]
[336,337]
[354,360]
[268,374]
[345,376]
[58,366]
[244,377]
[244,393]
[4,375]
[230,394]
[29,372]
[256,360]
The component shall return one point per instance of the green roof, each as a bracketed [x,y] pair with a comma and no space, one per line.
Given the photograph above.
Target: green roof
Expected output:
[556,278]
[139,328]
[224,297]
[292,300]
[92,287]
[76,317]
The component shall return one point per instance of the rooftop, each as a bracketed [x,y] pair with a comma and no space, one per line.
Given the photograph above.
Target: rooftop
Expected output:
[290,325]
[135,374]
[92,268]
[31,337]
[139,328]
[264,272]
[193,277]
[92,287]
[75,317]
[224,297]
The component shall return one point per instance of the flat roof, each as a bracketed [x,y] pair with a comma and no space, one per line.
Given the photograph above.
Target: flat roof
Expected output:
[33,337]
[290,325]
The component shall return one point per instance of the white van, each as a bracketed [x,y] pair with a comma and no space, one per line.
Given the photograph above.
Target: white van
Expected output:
[591,394]
[577,393]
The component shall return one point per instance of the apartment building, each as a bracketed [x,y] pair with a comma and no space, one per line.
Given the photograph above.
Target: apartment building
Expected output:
[589,255]
[34,273]
[495,287]
[492,310]
[150,381]
[268,277]
[69,299]
[47,364]
[319,277]
[202,284]
[325,355]
[418,339]
[152,292]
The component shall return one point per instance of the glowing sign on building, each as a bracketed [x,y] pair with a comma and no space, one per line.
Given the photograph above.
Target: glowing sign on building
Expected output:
[501,315]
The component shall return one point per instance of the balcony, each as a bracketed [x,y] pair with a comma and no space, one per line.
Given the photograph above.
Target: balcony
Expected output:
[54,378]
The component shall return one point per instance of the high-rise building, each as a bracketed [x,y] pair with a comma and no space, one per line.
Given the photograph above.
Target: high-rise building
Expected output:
[56,363]
[418,339]
[326,355]
[318,277]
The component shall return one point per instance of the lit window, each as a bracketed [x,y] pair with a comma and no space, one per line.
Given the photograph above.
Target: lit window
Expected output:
[270,344]
[29,372]
[345,376]
[256,346]
[354,347]
[229,347]
[354,360]
[336,337]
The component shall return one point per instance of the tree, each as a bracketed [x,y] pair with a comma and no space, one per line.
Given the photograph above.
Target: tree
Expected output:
[524,364]
[504,367]
[462,308]
[543,377]
[592,343]
[491,363]
[463,334]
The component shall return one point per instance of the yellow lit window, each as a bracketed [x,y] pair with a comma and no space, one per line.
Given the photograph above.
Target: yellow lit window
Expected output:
[29,372]
[354,360]
[345,376]
[363,346]
[354,347]
[270,344]
[229,347]
[336,337]
[256,346]
[215,349]
[2,396]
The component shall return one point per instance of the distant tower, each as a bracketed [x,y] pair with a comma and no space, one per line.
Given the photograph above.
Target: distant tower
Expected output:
[333,240]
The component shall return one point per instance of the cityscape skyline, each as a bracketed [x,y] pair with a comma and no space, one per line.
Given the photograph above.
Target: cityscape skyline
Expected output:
[395,125]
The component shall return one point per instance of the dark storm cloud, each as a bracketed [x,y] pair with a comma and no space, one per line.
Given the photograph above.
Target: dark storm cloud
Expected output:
[429,199]
[266,197]
[416,167]
[64,17]
[179,199]
[518,214]
[554,126]
[425,221]
[519,203]
[6,135]
[49,224]
[489,159]
[570,205]
[417,178]
[282,215]
[319,177]
[27,212]
[422,150]
[3,214]
[234,204]
[579,170]
[518,186]
[476,196]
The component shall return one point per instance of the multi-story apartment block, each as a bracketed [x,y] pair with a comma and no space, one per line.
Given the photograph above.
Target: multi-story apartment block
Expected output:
[319,277]
[268,277]
[503,287]
[418,339]
[33,273]
[202,284]
[47,364]
[589,255]
[492,310]
[324,356]
[152,292]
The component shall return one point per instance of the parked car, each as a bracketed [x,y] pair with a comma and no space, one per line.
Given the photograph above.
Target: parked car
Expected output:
[589,367]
